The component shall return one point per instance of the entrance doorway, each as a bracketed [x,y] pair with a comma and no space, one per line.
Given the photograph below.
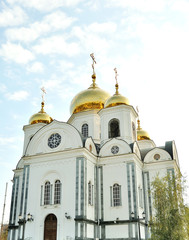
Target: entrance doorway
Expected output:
[50,229]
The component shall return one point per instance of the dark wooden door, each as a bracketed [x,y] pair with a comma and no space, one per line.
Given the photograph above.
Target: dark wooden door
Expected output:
[50,229]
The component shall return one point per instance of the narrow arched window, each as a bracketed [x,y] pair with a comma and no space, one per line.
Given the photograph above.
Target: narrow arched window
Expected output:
[47,193]
[84,130]
[116,195]
[114,130]
[90,193]
[57,192]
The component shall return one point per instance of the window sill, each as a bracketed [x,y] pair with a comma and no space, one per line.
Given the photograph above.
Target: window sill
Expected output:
[51,206]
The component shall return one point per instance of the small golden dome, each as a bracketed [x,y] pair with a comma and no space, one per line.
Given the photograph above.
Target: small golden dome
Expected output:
[40,117]
[116,99]
[141,134]
[91,98]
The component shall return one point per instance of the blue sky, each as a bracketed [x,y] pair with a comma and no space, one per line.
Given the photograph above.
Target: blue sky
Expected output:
[48,43]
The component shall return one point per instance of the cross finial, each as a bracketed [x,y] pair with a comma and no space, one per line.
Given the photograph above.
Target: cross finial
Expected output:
[94,61]
[138,121]
[43,93]
[94,75]
[116,74]
[116,86]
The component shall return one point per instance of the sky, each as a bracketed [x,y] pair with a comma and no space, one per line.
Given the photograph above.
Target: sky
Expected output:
[47,43]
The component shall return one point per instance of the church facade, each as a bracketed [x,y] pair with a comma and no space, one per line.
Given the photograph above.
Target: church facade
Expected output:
[87,178]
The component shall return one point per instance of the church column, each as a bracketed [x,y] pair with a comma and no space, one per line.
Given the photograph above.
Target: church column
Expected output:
[13,212]
[132,198]
[81,197]
[24,196]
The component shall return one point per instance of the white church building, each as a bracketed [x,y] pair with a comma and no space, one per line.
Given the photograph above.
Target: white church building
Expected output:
[87,178]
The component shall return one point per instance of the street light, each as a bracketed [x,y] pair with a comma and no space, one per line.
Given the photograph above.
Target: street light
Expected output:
[138,220]
[23,220]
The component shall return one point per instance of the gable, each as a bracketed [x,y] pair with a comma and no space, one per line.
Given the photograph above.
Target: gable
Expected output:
[56,136]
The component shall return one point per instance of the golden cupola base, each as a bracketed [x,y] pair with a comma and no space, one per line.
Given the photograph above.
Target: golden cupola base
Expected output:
[117,98]
[142,134]
[40,117]
[91,98]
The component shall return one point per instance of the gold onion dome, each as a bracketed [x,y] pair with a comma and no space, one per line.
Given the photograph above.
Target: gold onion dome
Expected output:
[40,117]
[117,98]
[91,98]
[142,134]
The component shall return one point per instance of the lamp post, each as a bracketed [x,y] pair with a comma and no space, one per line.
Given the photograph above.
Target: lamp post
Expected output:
[23,220]
[138,220]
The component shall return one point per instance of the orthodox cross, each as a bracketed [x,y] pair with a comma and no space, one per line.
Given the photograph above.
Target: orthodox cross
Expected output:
[117,86]
[43,93]
[116,74]
[94,61]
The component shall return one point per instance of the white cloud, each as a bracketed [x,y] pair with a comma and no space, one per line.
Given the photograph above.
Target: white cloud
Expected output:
[56,45]
[12,16]
[16,53]
[181,5]
[63,65]
[105,28]
[91,41]
[3,88]
[7,140]
[36,67]
[18,96]
[140,5]
[45,5]
[50,23]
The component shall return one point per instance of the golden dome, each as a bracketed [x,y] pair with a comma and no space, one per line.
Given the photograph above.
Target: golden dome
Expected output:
[141,134]
[40,117]
[91,98]
[116,99]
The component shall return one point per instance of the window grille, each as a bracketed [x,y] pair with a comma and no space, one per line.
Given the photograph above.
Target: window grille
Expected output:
[57,192]
[116,195]
[47,193]
[84,130]
[90,193]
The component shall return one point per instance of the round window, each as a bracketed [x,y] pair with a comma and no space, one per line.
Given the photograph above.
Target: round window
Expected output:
[115,149]
[54,140]
[156,156]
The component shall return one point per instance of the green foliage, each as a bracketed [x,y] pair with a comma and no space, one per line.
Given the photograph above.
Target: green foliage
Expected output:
[4,233]
[169,222]
[187,220]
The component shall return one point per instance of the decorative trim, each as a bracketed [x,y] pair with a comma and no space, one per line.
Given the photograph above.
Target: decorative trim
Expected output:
[95,198]
[134,196]
[82,192]
[27,167]
[129,198]
[103,230]
[145,205]
[77,195]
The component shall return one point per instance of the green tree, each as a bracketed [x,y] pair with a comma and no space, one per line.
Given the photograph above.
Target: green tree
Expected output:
[169,221]
[187,219]
[4,233]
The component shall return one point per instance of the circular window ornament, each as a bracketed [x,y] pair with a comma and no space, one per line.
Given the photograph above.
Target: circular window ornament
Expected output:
[54,140]
[156,156]
[115,149]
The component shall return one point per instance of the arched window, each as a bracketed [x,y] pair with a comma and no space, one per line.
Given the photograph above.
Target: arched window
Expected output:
[114,130]
[47,193]
[90,193]
[116,195]
[57,192]
[84,130]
